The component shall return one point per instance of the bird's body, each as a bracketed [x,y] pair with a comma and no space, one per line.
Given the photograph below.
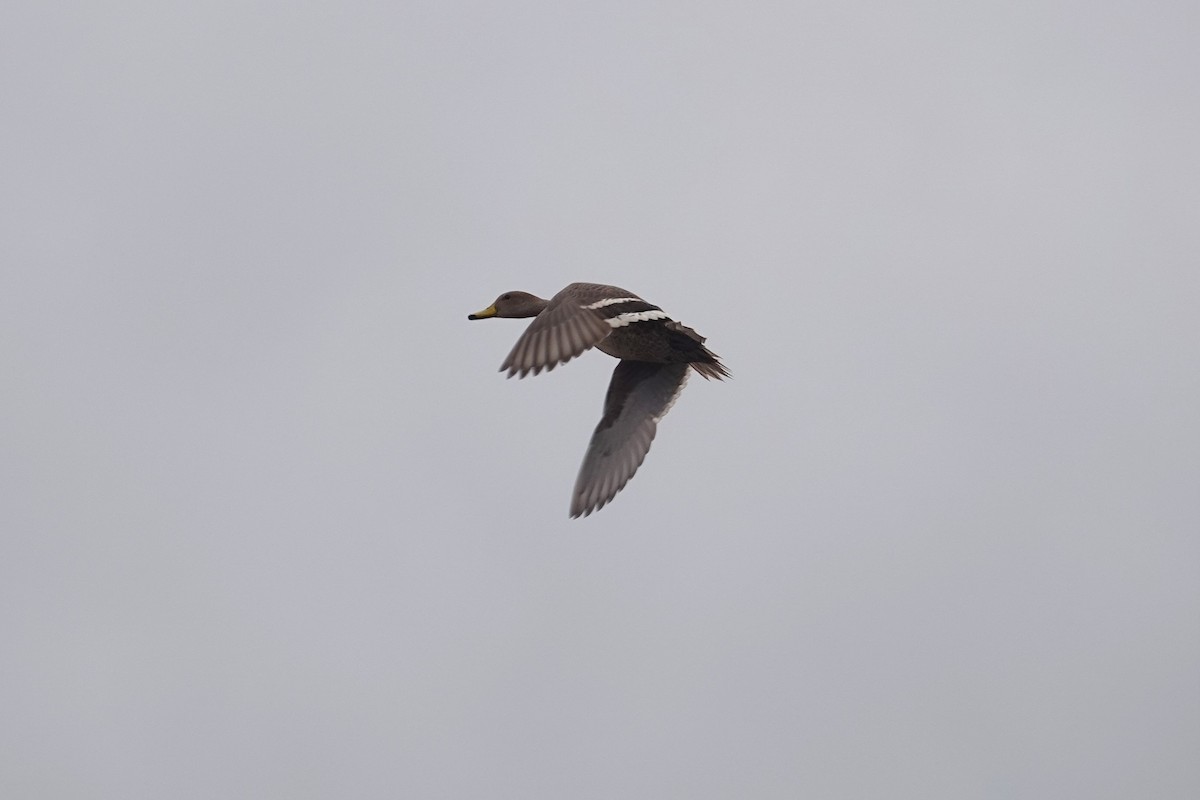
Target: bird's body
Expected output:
[655,352]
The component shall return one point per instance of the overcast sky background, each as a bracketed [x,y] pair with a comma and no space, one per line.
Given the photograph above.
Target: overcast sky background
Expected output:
[275,526]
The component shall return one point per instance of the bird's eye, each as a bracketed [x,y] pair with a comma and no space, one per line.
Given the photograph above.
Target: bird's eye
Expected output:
[506,297]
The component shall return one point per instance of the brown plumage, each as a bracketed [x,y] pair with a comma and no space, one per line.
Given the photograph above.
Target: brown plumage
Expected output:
[655,353]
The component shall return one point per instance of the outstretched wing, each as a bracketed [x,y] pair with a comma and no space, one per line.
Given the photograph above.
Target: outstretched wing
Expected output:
[554,337]
[575,319]
[639,395]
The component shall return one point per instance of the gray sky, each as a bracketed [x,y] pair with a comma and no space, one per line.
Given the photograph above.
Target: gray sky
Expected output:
[275,526]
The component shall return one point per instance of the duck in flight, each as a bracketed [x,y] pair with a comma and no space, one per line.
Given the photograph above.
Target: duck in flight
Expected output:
[656,354]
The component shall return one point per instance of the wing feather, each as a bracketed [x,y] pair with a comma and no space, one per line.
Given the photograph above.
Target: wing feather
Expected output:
[639,394]
[565,328]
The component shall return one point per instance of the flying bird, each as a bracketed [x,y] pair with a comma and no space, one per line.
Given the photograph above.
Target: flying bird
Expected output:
[656,354]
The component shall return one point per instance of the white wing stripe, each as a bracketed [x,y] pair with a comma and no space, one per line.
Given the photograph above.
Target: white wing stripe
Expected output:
[612,301]
[621,320]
